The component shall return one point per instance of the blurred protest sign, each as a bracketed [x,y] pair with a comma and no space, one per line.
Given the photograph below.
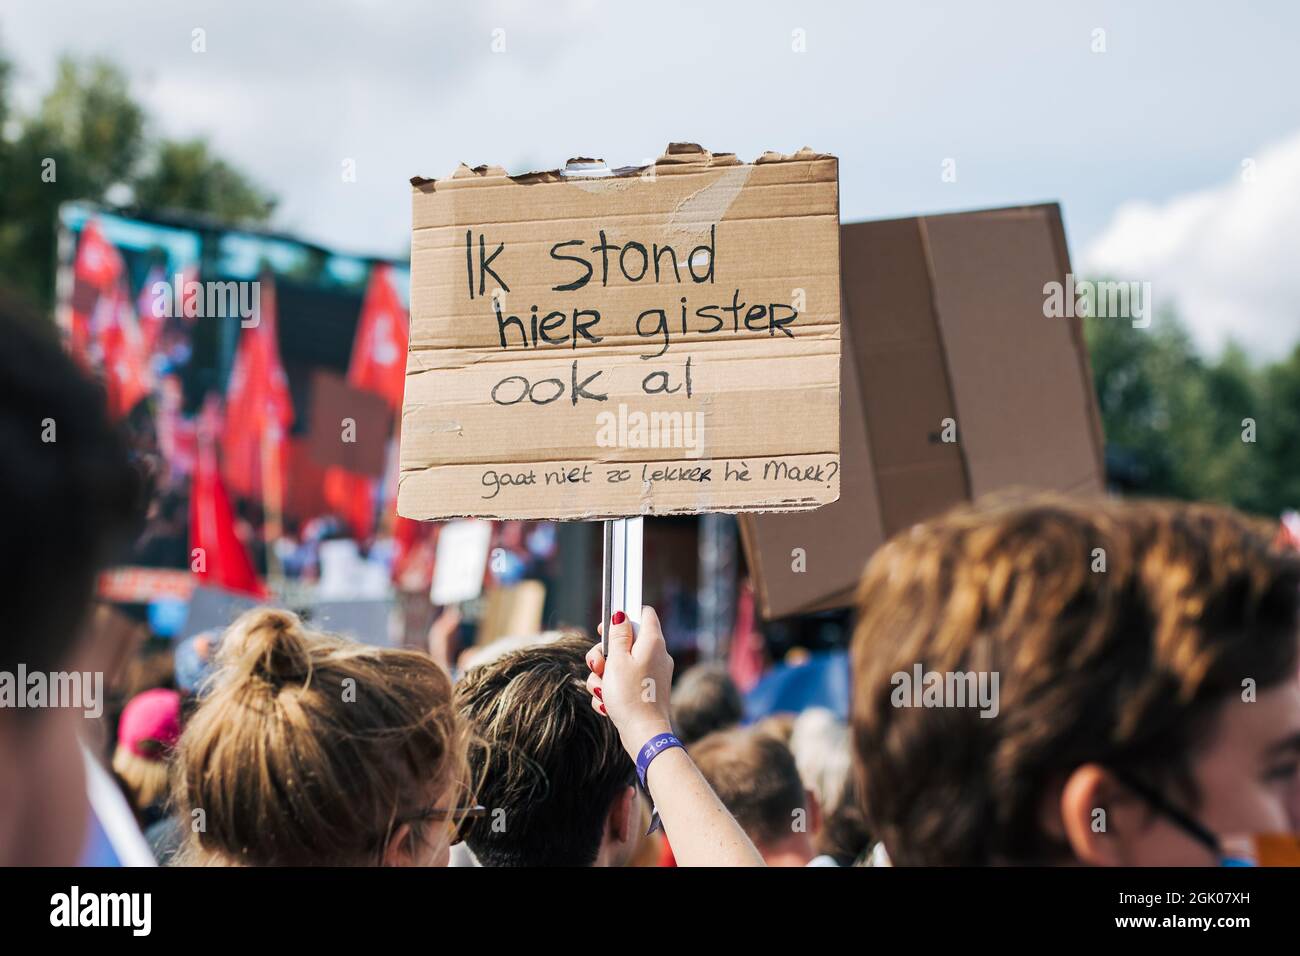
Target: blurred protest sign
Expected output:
[461,561]
[647,341]
[214,608]
[956,384]
[515,609]
[350,427]
[368,621]
[364,619]
[346,576]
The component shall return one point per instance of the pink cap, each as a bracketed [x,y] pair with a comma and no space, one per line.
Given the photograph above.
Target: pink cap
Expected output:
[151,723]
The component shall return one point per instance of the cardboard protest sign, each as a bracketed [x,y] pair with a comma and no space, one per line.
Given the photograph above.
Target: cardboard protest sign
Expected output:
[368,621]
[350,427]
[513,609]
[945,337]
[662,340]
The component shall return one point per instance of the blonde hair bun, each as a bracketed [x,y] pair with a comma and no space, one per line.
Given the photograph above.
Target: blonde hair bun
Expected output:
[313,749]
[269,644]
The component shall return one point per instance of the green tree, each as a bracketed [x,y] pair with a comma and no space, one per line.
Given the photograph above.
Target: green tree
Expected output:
[1279,433]
[1179,418]
[89,139]
[5,69]
[186,175]
[83,140]
[90,122]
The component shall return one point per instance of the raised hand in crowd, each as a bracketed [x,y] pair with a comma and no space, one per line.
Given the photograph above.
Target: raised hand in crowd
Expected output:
[631,686]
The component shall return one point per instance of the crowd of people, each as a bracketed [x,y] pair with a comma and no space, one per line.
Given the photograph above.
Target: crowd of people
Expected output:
[1034,681]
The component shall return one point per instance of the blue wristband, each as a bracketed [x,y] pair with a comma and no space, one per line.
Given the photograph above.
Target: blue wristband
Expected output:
[653,748]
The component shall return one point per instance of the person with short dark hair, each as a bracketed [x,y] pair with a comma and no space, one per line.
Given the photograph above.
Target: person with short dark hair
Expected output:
[558,788]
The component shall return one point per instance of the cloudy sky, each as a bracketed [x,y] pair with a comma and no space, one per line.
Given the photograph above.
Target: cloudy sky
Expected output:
[1175,152]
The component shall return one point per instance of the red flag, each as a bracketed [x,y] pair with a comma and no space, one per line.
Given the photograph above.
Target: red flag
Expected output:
[352,498]
[304,483]
[745,656]
[408,569]
[222,559]
[98,262]
[378,365]
[96,272]
[103,332]
[259,409]
[121,348]
[379,350]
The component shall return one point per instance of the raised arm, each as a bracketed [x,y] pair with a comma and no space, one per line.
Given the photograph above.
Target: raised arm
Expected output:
[632,688]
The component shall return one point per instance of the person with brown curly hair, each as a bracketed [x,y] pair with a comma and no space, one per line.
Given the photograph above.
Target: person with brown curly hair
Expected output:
[1149,693]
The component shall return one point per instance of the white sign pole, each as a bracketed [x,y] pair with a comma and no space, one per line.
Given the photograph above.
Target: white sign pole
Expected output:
[621,588]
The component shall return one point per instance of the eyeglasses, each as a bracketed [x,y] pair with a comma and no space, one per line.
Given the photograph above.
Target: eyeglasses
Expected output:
[1180,818]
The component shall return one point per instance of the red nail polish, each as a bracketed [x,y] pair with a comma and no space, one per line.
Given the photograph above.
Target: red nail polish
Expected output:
[599,695]
[603,710]
[618,618]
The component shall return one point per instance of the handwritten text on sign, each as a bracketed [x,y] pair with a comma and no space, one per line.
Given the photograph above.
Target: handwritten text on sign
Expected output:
[633,345]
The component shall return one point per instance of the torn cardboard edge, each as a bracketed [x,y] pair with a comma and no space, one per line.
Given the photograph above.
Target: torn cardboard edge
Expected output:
[676,155]
[787,226]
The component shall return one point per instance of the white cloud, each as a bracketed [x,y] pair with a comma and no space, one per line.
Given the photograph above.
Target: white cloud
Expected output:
[1226,258]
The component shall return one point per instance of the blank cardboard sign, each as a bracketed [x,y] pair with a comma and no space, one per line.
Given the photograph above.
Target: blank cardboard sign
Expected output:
[944,320]
[350,427]
[662,340]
